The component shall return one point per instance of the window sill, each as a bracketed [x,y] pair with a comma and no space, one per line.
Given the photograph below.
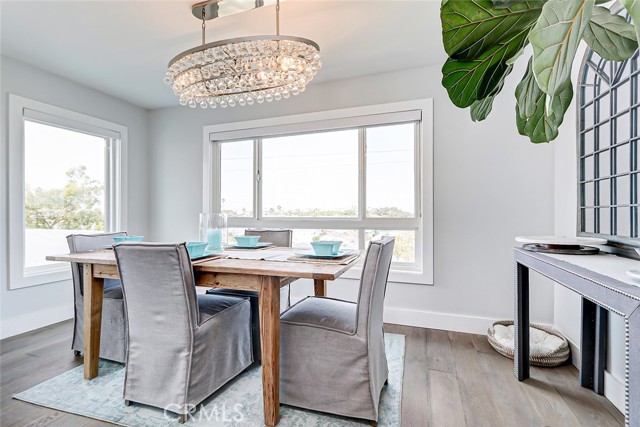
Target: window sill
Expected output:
[395,276]
[43,277]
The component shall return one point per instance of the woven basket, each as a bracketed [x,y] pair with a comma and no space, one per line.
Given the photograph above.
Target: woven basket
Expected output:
[554,358]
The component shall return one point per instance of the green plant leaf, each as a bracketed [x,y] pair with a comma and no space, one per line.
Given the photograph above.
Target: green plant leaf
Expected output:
[501,4]
[471,27]
[633,7]
[472,80]
[533,119]
[611,36]
[480,109]
[555,39]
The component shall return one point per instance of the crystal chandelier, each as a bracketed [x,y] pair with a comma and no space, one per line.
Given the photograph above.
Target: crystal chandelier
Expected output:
[244,70]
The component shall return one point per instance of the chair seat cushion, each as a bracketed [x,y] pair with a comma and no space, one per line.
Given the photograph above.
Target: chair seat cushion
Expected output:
[112,289]
[324,313]
[210,305]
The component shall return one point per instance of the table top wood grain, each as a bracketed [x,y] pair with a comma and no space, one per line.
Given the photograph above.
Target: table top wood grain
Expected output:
[315,269]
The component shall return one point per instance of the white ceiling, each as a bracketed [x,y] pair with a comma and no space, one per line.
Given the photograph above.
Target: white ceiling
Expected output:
[122,47]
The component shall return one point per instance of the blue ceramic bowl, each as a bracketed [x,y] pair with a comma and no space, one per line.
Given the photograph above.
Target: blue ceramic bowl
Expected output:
[326,247]
[128,239]
[196,249]
[247,241]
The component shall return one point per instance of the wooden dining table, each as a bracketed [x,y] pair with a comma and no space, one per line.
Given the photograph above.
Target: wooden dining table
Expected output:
[262,275]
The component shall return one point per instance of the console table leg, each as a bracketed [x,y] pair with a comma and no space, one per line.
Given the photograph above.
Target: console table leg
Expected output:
[521,323]
[600,359]
[587,343]
[632,383]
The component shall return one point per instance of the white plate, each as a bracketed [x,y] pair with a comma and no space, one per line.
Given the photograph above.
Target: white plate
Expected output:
[635,274]
[561,240]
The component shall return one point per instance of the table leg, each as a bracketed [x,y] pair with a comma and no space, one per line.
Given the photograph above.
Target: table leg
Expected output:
[269,302]
[632,383]
[587,343]
[320,287]
[93,293]
[600,359]
[521,323]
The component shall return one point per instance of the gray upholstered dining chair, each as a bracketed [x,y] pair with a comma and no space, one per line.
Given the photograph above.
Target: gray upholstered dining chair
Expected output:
[344,340]
[280,237]
[114,326]
[182,347]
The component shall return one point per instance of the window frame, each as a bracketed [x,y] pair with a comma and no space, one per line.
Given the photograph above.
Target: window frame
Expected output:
[22,109]
[369,116]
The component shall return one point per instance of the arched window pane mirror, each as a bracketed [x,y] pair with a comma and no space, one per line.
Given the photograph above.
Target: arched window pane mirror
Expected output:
[608,104]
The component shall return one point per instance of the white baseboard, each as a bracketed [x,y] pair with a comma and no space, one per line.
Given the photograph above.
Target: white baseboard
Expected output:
[35,320]
[435,320]
[614,391]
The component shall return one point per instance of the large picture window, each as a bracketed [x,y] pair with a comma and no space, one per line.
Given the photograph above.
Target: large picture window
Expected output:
[65,178]
[352,179]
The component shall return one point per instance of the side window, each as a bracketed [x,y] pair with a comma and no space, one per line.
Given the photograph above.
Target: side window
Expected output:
[65,176]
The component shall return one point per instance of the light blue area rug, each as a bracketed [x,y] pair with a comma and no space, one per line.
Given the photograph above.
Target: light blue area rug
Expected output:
[239,403]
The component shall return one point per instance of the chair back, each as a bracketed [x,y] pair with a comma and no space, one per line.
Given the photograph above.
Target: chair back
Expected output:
[159,296]
[278,236]
[157,281]
[84,243]
[373,284]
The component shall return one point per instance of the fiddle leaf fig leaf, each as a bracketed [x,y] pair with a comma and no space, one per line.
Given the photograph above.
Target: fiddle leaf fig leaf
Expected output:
[611,36]
[472,27]
[633,7]
[480,109]
[470,81]
[533,118]
[474,79]
[555,39]
[501,4]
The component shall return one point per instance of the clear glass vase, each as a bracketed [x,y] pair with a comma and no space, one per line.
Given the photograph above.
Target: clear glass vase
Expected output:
[213,230]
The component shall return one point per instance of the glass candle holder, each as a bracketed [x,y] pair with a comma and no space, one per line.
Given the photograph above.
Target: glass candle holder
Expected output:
[213,230]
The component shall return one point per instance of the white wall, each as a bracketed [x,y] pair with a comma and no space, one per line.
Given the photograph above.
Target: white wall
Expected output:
[29,308]
[567,309]
[490,185]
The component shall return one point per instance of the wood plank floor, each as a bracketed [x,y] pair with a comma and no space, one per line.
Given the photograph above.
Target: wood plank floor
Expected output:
[451,380]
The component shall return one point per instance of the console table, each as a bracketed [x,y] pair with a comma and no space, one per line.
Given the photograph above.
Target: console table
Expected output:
[602,282]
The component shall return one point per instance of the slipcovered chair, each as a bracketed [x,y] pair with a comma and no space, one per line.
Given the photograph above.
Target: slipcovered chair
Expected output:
[279,237]
[113,327]
[182,347]
[344,340]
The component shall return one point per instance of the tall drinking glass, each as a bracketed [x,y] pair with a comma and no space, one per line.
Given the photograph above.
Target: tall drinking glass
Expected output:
[213,230]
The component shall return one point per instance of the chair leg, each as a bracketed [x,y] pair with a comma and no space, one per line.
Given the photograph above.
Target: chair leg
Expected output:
[373,423]
[76,353]
[127,403]
[182,418]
